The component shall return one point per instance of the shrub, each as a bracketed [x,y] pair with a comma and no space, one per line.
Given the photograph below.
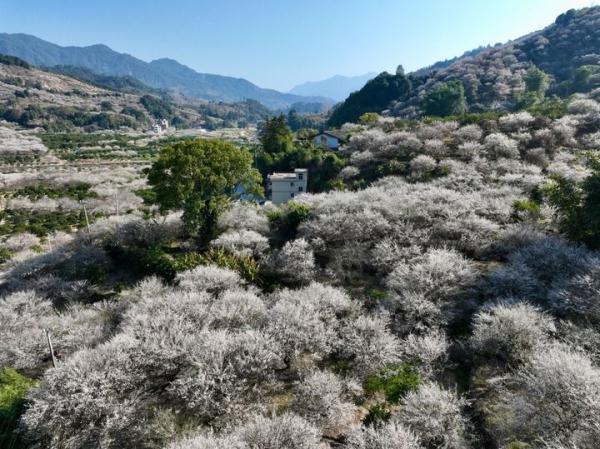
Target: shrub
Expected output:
[578,207]
[387,436]
[422,167]
[394,382]
[435,416]
[13,389]
[293,264]
[510,332]
[319,400]
[553,397]
[501,146]
[285,221]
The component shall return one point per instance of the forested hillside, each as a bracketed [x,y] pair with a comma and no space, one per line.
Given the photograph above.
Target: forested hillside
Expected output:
[500,78]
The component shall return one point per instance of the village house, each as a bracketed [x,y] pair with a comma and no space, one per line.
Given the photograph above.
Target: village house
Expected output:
[282,187]
[330,140]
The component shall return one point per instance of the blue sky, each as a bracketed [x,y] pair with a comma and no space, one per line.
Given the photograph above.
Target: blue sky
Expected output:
[280,43]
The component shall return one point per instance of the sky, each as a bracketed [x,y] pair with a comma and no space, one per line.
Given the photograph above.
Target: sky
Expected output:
[281,43]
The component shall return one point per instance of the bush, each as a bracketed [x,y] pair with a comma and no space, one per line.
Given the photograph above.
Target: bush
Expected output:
[293,264]
[394,382]
[435,416]
[578,206]
[285,221]
[556,396]
[387,436]
[510,332]
[13,389]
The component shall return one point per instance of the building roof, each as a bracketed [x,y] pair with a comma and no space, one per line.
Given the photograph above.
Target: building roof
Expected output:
[334,133]
[287,176]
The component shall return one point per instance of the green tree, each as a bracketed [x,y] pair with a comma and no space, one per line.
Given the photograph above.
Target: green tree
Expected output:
[369,118]
[199,177]
[537,82]
[275,136]
[446,99]
[578,205]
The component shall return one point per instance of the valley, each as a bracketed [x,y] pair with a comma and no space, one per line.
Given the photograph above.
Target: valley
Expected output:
[424,275]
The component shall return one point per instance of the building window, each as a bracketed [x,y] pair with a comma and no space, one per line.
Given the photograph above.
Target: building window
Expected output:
[300,189]
[292,195]
[291,184]
[300,176]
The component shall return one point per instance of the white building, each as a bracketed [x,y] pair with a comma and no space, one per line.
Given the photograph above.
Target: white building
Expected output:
[329,140]
[283,187]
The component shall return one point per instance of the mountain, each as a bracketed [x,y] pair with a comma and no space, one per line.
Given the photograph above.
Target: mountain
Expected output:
[337,87]
[161,73]
[70,99]
[494,79]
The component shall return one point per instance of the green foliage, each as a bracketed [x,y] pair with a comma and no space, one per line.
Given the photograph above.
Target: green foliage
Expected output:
[375,96]
[40,223]
[553,108]
[157,107]
[298,121]
[199,177]
[445,99]
[527,209]
[13,60]
[75,191]
[537,81]
[246,266]
[578,206]
[13,388]
[284,222]
[369,118]
[378,413]
[278,153]
[583,78]
[395,382]
[275,136]
[5,254]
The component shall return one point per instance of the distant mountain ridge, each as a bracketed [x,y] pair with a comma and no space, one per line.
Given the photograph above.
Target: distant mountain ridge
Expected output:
[337,87]
[161,73]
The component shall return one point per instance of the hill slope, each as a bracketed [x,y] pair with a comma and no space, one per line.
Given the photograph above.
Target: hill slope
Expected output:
[337,87]
[161,73]
[494,79]
[33,97]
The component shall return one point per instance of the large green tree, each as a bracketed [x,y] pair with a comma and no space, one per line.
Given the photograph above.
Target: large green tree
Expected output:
[275,135]
[446,99]
[199,177]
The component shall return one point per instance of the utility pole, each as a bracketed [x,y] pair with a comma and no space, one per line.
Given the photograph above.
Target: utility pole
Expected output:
[87,221]
[50,347]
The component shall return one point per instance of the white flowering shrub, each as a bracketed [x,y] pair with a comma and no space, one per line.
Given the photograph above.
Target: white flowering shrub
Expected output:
[428,352]
[388,436]
[244,216]
[294,263]
[242,243]
[25,317]
[422,167]
[435,416]
[319,399]
[554,397]
[498,146]
[511,332]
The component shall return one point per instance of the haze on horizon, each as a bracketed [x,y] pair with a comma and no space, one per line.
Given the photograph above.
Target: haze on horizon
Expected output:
[279,44]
